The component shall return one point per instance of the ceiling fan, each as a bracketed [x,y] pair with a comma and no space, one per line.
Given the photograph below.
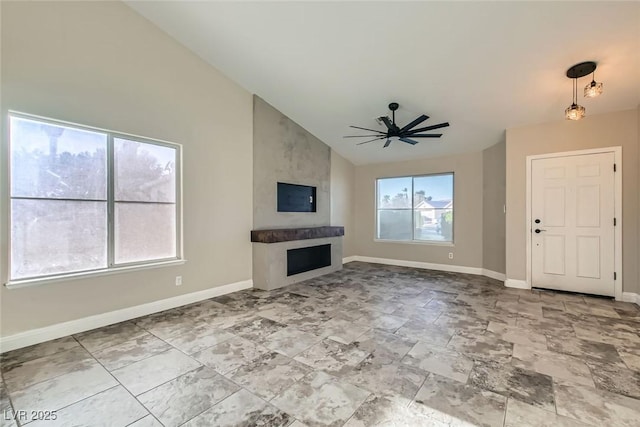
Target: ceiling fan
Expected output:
[396,133]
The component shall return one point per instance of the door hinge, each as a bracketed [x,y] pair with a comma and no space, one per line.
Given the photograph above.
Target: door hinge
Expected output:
[615,222]
[614,167]
[615,275]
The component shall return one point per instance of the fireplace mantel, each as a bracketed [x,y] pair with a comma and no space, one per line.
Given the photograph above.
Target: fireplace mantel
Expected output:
[290,234]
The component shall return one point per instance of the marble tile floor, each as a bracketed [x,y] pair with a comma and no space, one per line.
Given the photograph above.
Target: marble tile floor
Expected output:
[370,345]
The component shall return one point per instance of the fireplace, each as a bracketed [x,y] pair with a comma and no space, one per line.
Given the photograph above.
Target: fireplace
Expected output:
[292,239]
[283,256]
[307,259]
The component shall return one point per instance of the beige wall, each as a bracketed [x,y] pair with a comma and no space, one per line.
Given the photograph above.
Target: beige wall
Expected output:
[493,202]
[605,130]
[342,200]
[467,248]
[101,64]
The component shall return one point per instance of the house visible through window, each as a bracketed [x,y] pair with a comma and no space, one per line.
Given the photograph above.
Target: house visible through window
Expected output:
[416,208]
[84,199]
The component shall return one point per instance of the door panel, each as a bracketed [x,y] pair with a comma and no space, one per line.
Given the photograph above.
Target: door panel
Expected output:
[554,254]
[554,206]
[573,199]
[588,206]
[588,256]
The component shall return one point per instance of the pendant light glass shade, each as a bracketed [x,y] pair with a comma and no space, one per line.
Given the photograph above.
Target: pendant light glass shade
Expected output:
[574,112]
[593,89]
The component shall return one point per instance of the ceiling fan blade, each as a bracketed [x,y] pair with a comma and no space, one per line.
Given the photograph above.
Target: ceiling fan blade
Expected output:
[359,136]
[372,130]
[426,135]
[386,144]
[371,140]
[432,127]
[409,141]
[416,122]
[388,123]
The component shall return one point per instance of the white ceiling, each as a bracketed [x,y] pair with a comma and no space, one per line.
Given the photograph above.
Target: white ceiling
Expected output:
[482,66]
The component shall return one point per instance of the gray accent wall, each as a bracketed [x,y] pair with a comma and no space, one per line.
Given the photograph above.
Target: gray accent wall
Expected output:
[283,151]
[493,207]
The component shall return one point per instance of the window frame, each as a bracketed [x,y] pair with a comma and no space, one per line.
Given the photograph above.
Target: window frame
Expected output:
[111,267]
[413,240]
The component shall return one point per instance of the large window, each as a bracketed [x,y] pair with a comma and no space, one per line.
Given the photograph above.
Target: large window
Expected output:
[415,208]
[84,199]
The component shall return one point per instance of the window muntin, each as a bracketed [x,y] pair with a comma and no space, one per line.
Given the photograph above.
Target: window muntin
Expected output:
[85,199]
[415,208]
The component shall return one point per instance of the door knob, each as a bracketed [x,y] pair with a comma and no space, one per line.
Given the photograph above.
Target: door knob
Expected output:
[537,230]
[537,221]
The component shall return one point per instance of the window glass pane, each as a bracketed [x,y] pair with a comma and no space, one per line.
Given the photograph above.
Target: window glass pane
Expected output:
[394,224]
[394,193]
[433,205]
[144,172]
[435,190]
[434,224]
[144,231]
[56,162]
[56,236]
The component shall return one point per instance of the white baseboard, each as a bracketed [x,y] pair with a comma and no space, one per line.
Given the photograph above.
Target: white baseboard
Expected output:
[348,259]
[430,266]
[518,284]
[419,264]
[59,330]
[494,274]
[631,297]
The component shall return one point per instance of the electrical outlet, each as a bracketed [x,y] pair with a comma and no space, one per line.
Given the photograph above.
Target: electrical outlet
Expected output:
[178,280]
[450,255]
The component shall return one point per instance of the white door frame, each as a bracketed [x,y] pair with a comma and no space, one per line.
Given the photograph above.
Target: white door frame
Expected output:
[617,151]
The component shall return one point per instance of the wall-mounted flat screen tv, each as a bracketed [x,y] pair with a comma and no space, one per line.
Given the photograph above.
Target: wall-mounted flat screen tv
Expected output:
[296,198]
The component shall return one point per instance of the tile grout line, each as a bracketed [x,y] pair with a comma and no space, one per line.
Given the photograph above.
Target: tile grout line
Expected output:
[201,365]
[504,416]
[48,379]
[18,422]
[11,404]
[124,388]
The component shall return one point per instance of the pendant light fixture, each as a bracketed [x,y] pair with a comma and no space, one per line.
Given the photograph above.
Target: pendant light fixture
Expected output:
[594,88]
[575,111]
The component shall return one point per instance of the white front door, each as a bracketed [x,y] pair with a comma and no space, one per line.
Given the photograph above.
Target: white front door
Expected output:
[572,223]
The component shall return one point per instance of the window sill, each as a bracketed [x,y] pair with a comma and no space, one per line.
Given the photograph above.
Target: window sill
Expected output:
[416,242]
[17,284]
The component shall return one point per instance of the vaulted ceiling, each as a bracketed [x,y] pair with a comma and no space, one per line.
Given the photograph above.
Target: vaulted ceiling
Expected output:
[482,66]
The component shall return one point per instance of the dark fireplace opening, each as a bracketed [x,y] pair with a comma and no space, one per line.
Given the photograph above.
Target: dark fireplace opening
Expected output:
[307,259]
[296,198]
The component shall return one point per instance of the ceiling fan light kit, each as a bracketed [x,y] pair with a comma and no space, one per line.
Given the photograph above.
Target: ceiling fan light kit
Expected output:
[593,89]
[394,133]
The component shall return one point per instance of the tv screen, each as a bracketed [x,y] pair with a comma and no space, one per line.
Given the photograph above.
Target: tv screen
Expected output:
[296,198]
